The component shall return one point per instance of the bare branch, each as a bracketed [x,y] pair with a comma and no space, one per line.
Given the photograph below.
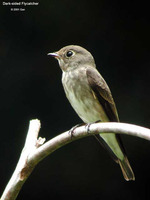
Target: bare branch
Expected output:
[23,169]
[34,150]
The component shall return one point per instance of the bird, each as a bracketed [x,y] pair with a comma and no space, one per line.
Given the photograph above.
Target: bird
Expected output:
[91,98]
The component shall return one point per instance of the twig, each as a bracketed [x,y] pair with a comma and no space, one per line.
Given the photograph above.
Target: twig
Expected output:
[33,151]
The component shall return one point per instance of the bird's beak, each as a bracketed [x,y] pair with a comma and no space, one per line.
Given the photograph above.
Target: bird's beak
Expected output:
[55,55]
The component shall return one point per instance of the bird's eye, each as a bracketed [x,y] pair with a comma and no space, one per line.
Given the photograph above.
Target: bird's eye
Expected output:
[69,53]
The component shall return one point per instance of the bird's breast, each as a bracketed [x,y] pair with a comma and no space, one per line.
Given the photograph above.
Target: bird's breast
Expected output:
[81,97]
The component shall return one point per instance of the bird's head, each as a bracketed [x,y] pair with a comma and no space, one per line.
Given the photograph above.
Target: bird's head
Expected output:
[73,56]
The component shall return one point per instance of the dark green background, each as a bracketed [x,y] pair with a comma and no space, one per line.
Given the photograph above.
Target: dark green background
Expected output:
[117,33]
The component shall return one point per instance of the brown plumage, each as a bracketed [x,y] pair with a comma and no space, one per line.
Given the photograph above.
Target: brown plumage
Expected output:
[91,98]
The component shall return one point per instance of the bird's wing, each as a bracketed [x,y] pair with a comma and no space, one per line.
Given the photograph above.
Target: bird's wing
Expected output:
[102,92]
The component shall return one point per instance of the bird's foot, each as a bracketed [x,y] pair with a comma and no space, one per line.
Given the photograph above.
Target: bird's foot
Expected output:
[71,132]
[87,126]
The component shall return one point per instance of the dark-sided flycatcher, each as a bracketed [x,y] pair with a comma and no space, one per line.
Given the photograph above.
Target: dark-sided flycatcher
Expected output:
[91,98]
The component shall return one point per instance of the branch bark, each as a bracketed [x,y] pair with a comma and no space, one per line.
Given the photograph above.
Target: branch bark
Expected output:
[34,150]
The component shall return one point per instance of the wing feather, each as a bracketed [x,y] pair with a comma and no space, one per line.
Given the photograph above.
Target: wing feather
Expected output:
[104,96]
[103,93]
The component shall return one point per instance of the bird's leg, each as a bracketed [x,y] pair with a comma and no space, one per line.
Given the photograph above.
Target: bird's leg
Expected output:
[87,126]
[97,121]
[74,127]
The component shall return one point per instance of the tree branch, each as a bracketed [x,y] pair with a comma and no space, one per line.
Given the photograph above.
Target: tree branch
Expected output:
[34,150]
[23,169]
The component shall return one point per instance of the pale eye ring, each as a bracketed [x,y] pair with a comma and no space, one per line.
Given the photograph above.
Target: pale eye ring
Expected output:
[69,53]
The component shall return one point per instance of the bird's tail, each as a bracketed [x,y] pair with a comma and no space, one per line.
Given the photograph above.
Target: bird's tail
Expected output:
[126,169]
[124,163]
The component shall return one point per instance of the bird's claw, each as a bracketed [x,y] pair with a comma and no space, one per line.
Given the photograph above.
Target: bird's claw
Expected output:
[87,126]
[71,132]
